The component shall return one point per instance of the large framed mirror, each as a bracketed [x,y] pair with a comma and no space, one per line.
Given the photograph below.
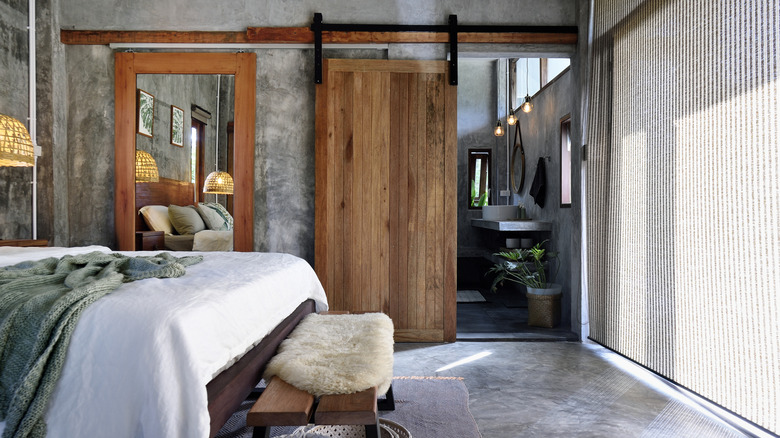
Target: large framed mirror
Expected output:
[242,67]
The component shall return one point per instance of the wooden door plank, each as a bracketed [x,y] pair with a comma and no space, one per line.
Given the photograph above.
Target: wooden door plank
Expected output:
[394,191]
[431,226]
[417,335]
[321,170]
[384,167]
[321,186]
[403,197]
[376,191]
[360,264]
[365,236]
[438,145]
[450,210]
[348,239]
[332,178]
[422,200]
[337,78]
[413,193]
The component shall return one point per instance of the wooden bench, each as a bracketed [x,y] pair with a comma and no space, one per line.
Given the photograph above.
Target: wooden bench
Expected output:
[282,404]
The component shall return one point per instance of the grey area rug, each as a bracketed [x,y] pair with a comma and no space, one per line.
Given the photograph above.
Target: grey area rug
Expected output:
[428,407]
[470,296]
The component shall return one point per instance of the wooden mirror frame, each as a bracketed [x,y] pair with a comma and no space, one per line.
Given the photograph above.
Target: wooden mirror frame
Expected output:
[127,65]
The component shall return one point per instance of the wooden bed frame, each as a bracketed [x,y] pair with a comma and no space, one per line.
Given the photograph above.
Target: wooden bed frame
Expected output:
[165,192]
[231,387]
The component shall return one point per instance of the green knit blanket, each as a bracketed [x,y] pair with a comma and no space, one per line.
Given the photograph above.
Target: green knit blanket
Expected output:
[40,303]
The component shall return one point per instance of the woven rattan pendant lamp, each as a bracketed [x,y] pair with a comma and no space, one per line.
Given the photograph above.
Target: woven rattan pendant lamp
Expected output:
[16,148]
[145,167]
[218,182]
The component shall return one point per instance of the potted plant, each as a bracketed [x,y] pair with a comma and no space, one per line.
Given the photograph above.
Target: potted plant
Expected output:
[527,267]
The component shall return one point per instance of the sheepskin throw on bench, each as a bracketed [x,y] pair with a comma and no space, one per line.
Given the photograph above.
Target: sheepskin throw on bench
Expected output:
[337,354]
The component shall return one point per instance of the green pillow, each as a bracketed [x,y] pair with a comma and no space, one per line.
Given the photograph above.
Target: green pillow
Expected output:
[212,218]
[222,212]
[185,220]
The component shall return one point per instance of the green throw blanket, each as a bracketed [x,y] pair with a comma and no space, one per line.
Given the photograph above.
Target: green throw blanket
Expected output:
[40,303]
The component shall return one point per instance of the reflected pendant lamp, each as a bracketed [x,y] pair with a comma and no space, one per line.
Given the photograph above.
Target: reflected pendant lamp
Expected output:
[16,148]
[218,183]
[145,167]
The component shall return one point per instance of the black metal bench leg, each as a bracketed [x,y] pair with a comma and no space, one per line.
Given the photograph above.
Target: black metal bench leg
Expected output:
[372,430]
[388,404]
[261,432]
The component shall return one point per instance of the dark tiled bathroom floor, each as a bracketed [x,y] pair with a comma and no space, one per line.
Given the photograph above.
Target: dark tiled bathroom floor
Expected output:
[503,317]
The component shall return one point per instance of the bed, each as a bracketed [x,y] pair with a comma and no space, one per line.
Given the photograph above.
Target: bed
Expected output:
[168,206]
[175,357]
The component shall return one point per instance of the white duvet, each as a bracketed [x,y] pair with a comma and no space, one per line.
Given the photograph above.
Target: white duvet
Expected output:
[140,357]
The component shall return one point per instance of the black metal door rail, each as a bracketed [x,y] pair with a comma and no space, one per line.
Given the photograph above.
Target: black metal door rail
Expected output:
[318,27]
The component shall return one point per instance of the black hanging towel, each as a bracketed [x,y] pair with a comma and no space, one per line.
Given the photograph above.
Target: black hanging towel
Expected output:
[539,185]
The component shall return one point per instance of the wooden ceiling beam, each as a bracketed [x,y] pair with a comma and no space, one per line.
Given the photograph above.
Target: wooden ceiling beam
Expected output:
[103,37]
[303,35]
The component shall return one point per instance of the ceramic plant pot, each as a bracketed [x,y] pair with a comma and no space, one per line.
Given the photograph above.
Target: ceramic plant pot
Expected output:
[544,306]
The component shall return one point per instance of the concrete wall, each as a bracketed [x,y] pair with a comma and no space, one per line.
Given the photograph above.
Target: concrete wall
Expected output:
[239,14]
[541,139]
[477,96]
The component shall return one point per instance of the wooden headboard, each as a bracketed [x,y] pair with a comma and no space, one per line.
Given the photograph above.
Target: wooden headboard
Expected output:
[165,192]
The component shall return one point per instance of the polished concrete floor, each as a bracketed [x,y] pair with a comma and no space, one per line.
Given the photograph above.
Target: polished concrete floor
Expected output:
[503,316]
[559,389]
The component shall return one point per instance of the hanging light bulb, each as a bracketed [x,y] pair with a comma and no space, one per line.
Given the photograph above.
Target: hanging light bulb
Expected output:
[499,131]
[511,119]
[527,106]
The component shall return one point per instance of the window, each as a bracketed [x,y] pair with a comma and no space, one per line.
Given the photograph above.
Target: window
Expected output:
[534,73]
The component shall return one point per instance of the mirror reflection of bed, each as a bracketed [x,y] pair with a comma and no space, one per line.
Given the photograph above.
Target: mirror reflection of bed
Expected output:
[167,206]
[175,204]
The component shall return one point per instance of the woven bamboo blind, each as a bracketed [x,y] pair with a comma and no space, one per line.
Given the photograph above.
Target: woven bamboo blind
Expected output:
[683,189]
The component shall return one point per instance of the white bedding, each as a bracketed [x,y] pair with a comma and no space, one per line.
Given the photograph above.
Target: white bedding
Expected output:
[140,358]
[210,240]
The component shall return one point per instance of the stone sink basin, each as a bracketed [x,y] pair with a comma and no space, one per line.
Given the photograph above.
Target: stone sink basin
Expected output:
[499,212]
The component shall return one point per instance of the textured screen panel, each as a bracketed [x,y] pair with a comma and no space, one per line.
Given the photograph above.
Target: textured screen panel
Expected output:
[684,195]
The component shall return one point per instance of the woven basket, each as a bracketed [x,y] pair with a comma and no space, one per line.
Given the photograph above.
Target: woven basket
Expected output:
[544,308]
[390,429]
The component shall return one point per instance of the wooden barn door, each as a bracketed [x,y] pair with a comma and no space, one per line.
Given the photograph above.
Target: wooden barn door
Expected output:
[385,214]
